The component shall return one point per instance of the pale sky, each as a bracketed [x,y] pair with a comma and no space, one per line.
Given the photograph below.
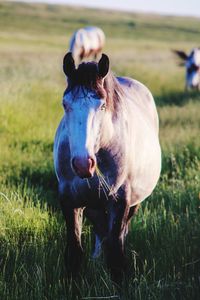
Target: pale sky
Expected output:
[172,7]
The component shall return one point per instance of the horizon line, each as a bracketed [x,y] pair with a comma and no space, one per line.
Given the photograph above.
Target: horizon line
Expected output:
[60,3]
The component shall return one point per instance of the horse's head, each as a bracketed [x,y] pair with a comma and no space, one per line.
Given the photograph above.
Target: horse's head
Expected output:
[192,64]
[86,112]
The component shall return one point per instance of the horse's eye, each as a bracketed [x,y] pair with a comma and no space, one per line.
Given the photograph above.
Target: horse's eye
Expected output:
[103,106]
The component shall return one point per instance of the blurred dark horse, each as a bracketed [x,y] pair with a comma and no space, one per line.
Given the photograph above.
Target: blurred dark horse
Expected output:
[192,65]
[107,156]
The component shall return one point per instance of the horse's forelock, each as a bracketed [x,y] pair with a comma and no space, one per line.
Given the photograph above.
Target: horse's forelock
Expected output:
[87,76]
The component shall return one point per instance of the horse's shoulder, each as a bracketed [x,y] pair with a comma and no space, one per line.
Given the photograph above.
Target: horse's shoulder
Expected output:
[141,97]
[137,90]
[125,81]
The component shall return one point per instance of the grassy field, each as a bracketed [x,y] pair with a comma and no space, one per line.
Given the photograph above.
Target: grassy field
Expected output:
[163,246]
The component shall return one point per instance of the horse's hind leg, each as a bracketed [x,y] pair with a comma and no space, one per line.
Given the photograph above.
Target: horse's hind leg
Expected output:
[132,211]
[73,251]
[99,221]
[97,54]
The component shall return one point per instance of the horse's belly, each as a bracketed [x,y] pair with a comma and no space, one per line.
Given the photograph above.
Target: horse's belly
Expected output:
[143,188]
[145,176]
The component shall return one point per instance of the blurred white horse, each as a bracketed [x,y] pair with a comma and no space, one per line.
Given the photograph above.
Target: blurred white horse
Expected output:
[192,65]
[86,42]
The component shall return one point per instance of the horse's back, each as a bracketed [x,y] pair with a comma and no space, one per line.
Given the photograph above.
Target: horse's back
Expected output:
[88,37]
[145,155]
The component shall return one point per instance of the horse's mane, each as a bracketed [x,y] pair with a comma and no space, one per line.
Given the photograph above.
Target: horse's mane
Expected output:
[86,76]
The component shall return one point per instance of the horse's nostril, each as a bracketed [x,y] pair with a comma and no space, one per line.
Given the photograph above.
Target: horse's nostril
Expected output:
[91,162]
[73,160]
[74,164]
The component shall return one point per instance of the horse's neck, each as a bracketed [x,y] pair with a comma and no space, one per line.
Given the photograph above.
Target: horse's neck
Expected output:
[117,146]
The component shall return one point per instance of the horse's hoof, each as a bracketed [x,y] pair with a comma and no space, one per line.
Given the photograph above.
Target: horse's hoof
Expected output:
[73,261]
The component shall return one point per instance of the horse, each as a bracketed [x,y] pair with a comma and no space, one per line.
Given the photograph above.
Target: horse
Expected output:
[87,42]
[192,65]
[107,157]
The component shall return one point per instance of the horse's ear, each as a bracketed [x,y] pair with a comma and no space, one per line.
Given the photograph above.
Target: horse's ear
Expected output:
[181,54]
[103,66]
[68,64]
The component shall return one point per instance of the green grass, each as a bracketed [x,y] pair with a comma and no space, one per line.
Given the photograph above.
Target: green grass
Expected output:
[163,246]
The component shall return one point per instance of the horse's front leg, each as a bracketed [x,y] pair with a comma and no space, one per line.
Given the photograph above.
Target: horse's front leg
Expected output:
[118,216]
[98,219]
[73,251]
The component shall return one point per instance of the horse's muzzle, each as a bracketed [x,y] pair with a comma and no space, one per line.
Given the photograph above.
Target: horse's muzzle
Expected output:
[83,167]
